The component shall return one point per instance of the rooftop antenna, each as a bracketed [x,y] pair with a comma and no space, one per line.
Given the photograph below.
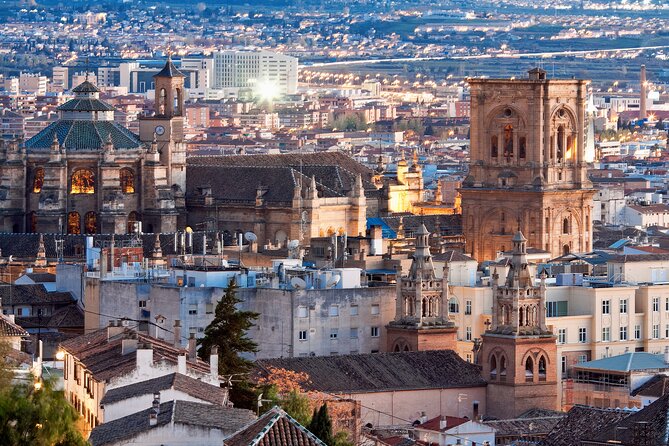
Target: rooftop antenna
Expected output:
[88,66]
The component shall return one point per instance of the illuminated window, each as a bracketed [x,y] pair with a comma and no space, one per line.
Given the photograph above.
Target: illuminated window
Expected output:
[133,218]
[73,223]
[83,182]
[90,222]
[38,181]
[127,181]
[508,140]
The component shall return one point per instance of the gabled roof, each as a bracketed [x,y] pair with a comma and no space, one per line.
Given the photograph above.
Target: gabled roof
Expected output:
[225,419]
[657,386]
[274,428]
[580,424]
[435,423]
[10,329]
[626,362]
[193,387]
[33,294]
[382,372]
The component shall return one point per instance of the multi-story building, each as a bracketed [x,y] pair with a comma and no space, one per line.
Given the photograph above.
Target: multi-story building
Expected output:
[268,74]
[33,83]
[12,125]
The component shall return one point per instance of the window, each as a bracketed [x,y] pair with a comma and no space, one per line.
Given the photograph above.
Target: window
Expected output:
[666,331]
[468,307]
[656,331]
[141,304]
[82,182]
[375,332]
[334,310]
[606,306]
[656,304]
[666,304]
[302,335]
[90,223]
[582,358]
[606,334]
[453,305]
[623,333]
[133,218]
[551,309]
[468,333]
[637,332]
[563,366]
[493,146]
[73,223]
[375,309]
[38,180]
[127,178]
[508,140]
[565,226]
[209,308]
[334,333]
[562,336]
[192,309]
[301,311]
[623,306]
[558,308]
[354,310]
[354,333]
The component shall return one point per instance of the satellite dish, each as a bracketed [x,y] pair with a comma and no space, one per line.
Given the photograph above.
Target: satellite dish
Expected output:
[293,244]
[250,237]
[298,283]
[334,280]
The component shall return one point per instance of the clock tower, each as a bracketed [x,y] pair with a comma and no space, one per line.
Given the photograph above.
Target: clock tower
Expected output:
[165,130]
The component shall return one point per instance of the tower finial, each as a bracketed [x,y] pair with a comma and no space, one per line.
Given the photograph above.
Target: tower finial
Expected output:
[88,67]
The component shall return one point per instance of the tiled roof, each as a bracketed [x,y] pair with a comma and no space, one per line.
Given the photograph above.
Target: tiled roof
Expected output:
[274,428]
[84,135]
[103,358]
[521,426]
[86,87]
[626,362]
[42,277]
[452,256]
[85,104]
[169,70]
[124,429]
[651,209]
[10,329]
[435,224]
[193,387]
[652,422]
[382,372]
[31,295]
[435,423]
[657,386]
[629,258]
[580,424]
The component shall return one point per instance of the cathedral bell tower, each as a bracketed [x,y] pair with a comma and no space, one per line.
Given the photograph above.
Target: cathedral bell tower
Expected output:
[519,353]
[165,128]
[421,316]
[528,163]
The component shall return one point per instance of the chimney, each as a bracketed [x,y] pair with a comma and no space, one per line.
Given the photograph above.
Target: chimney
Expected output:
[144,359]
[177,333]
[156,402]
[213,364]
[644,93]
[423,418]
[443,423]
[114,329]
[153,418]
[128,346]
[192,347]
[181,364]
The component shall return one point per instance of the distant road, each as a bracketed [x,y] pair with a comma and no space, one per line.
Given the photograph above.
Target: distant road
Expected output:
[482,56]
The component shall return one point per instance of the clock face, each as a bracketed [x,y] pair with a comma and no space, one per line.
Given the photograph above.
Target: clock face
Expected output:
[159,130]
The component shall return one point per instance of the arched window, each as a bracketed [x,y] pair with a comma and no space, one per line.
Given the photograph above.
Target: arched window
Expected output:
[162,100]
[73,223]
[177,102]
[542,369]
[38,180]
[397,348]
[127,181]
[493,146]
[502,368]
[508,140]
[82,182]
[566,250]
[90,223]
[453,305]
[560,143]
[493,367]
[133,218]
[521,146]
[565,226]
[529,370]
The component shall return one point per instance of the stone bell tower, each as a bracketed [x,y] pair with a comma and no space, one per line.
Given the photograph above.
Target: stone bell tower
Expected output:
[528,164]
[166,129]
[519,353]
[421,317]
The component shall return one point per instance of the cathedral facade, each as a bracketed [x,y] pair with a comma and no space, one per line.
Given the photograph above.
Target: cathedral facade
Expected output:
[87,174]
[527,168]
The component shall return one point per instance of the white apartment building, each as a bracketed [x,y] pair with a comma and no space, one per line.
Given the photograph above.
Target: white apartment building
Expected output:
[60,80]
[609,204]
[270,74]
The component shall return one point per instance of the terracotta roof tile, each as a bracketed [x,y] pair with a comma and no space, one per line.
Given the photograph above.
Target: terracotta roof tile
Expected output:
[274,428]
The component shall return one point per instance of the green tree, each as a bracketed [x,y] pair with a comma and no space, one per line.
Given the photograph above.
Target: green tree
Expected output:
[227,332]
[321,425]
[37,417]
[297,406]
